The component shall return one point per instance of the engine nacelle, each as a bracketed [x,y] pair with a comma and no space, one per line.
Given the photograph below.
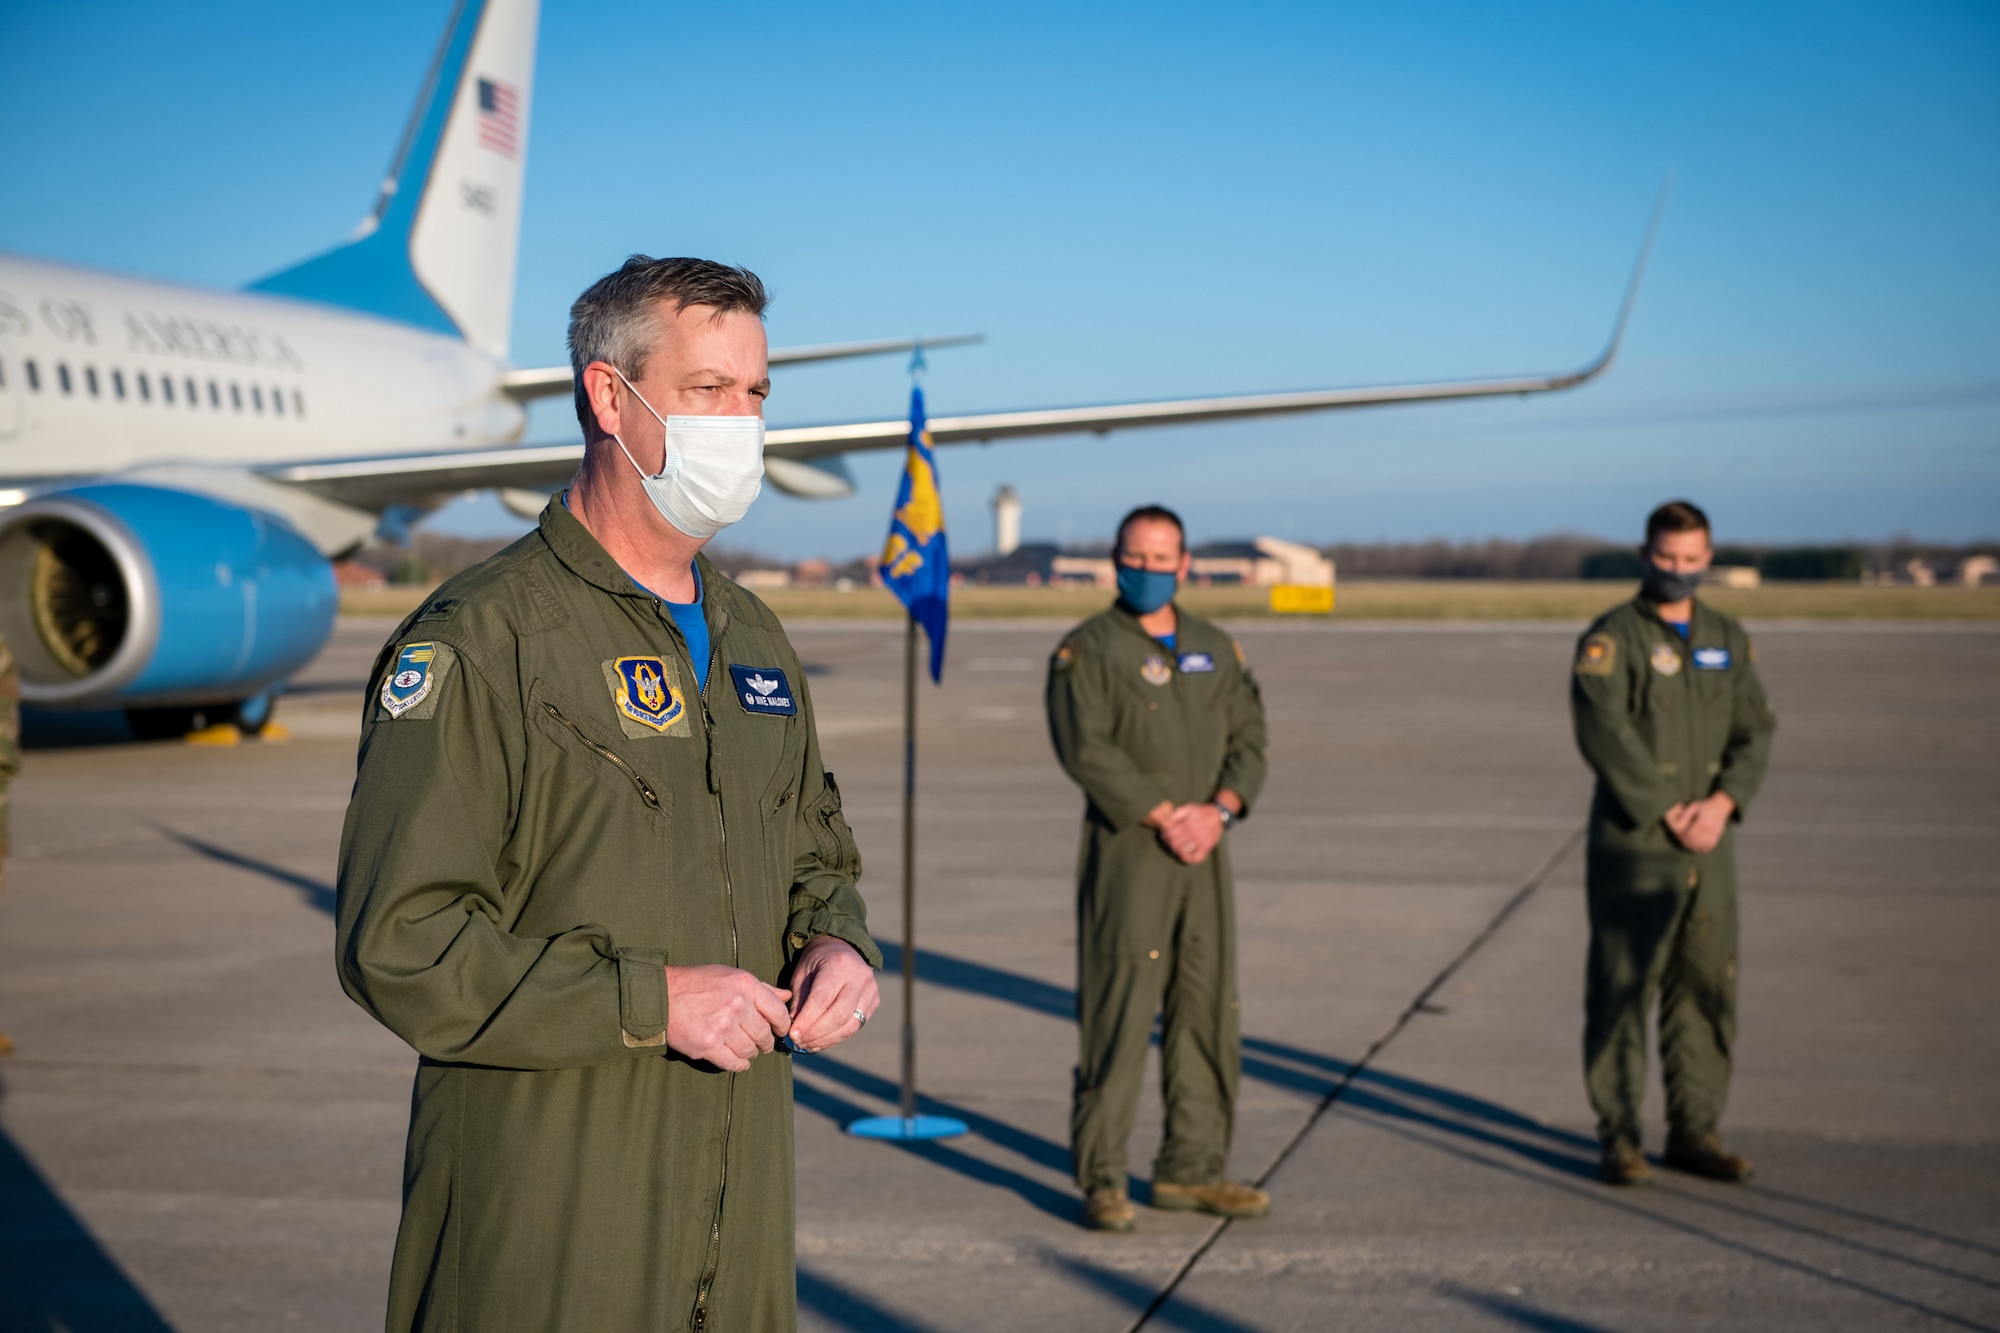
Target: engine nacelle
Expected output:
[115,595]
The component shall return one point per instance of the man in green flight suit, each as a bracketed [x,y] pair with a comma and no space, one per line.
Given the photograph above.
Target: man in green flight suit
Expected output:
[1670,714]
[10,762]
[594,873]
[1156,717]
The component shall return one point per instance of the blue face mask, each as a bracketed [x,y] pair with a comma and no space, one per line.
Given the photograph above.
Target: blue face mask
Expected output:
[1146,590]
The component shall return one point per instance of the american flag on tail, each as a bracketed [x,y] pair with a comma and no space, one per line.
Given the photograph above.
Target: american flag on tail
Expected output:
[500,118]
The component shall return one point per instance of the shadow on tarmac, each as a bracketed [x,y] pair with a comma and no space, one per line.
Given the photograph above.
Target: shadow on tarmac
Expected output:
[1519,1313]
[849,1308]
[1401,1105]
[53,1273]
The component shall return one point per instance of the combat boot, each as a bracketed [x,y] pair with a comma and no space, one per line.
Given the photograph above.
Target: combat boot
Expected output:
[1108,1210]
[1623,1164]
[1707,1157]
[1224,1198]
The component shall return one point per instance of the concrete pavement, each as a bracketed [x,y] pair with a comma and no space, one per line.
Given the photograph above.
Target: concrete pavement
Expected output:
[200,1132]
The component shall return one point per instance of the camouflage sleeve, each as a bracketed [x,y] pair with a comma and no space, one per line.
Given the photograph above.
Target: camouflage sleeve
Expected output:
[1600,698]
[1079,726]
[827,864]
[1751,727]
[1243,768]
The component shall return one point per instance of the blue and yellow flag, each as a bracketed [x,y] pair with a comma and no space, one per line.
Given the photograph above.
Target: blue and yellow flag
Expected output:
[916,565]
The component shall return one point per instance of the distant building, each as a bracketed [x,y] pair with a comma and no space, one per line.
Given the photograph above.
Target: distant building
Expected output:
[1006,521]
[1975,570]
[1032,564]
[764,578]
[1261,563]
[1733,576]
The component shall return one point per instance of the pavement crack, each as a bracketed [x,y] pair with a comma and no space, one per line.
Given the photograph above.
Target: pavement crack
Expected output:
[1419,1005]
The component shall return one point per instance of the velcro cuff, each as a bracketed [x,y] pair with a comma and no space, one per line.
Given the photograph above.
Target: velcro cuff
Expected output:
[642,996]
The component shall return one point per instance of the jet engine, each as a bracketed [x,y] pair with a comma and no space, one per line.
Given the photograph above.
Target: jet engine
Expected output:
[157,601]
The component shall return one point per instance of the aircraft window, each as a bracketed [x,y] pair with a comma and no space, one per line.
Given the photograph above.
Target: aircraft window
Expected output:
[256,398]
[62,375]
[298,403]
[167,388]
[236,397]
[3,374]
[214,396]
[145,386]
[118,382]
[90,378]
[277,400]
[34,376]
[194,399]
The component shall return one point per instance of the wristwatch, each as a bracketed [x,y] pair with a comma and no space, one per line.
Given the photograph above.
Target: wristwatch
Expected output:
[1228,815]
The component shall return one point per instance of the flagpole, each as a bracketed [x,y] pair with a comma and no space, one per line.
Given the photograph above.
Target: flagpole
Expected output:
[908,1124]
[910,872]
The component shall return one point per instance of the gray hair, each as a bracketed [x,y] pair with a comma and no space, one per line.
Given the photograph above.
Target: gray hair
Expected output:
[612,320]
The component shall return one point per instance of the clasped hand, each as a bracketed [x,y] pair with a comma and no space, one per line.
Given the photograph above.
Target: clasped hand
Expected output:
[1699,825]
[1190,832]
[727,1017]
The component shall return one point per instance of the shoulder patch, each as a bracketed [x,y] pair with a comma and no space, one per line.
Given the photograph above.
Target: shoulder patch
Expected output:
[1598,656]
[444,608]
[1065,656]
[1239,653]
[410,690]
[647,697]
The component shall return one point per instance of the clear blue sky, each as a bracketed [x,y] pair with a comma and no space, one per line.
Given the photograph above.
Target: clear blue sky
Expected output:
[1153,200]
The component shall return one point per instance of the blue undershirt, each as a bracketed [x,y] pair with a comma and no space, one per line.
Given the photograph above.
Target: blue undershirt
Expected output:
[1167,639]
[1680,627]
[688,617]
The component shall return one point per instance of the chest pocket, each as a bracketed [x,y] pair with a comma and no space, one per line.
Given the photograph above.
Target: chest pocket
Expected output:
[586,755]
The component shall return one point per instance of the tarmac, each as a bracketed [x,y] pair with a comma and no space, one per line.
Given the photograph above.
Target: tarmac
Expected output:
[198,1131]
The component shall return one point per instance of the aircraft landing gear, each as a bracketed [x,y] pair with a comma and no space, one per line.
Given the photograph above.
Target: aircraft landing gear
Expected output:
[210,724]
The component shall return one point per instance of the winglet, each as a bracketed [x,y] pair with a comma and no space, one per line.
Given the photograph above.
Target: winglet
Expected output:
[1604,358]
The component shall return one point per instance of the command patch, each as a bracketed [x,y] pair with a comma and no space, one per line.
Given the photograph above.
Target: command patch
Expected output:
[1711,659]
[1598,656]
[1192,662]
[1154,670]
[763,690]
[411,687]
[1666,659]
[647,693]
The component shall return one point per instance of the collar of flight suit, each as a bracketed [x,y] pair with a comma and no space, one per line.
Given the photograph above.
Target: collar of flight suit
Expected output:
[1650,610]
[1124,616]
[584,556]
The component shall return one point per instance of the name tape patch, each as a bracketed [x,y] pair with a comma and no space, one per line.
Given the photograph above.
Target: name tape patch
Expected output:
[1193,662]
[1711,659]
[763,690]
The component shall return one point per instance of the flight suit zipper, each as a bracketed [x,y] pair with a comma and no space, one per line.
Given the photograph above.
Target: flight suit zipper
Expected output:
[698,1319]
[646,793]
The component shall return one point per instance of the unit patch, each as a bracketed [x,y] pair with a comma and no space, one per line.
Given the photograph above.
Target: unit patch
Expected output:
[646,691]
[1193,662]
[1666,659]
[1065,655]
[1711,659]
[411,689]
[763,690]
[1154,670]
[1598,656]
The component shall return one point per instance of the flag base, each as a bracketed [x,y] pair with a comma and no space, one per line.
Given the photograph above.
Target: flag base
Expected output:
[907,1127]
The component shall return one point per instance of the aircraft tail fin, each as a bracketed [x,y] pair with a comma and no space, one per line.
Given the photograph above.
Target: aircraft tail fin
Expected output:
[439,249]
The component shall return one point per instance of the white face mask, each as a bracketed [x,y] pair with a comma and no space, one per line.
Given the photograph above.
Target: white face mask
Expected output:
[713,469]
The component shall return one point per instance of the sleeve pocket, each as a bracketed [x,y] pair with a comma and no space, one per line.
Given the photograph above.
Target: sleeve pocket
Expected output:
[642,996]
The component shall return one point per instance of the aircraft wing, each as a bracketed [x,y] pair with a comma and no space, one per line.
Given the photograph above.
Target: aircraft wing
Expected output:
[806,460]
[549,381]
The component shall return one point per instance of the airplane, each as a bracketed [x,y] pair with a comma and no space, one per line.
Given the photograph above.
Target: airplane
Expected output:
[180,466]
